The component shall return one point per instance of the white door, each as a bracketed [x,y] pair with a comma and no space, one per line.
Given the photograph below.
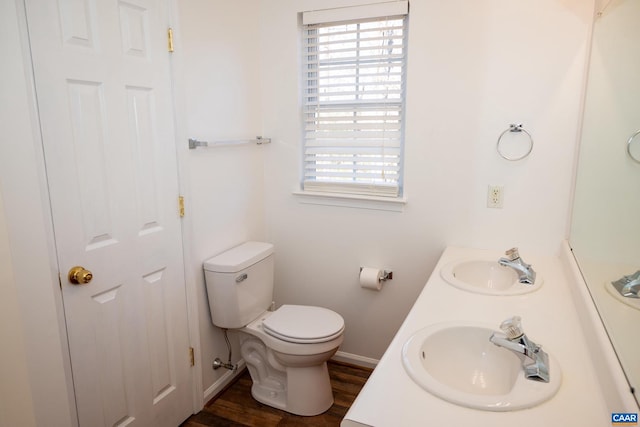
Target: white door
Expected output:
[104,98]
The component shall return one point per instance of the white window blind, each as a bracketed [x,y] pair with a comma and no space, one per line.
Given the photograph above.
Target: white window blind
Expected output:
[354,84]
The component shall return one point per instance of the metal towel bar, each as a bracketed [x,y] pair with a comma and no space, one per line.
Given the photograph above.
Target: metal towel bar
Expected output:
[193,143]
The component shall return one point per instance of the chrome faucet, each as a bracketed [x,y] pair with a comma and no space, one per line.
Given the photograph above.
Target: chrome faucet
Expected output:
[628,286]
[526,274]
[535,361]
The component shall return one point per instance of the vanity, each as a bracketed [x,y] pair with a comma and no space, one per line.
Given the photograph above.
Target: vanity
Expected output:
[586,381]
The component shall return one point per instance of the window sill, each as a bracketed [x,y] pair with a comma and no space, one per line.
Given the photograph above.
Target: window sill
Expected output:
[395,204]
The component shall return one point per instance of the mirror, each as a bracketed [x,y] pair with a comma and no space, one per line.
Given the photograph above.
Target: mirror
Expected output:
[605,231]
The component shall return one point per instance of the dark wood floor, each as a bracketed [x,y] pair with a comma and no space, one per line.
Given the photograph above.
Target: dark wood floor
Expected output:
[236,407]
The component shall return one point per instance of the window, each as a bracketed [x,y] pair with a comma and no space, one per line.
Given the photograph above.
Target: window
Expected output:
[353,99]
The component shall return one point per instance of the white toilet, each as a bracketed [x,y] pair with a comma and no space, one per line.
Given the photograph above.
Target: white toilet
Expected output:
[286,350]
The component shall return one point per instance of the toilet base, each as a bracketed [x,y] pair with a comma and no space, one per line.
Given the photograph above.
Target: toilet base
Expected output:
[308,391]
[299,390]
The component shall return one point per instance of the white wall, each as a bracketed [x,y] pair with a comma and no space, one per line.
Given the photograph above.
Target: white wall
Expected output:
[474,68]
[33,385]
[219,98]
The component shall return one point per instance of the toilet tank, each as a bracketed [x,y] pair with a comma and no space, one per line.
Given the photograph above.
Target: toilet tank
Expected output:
[240,284]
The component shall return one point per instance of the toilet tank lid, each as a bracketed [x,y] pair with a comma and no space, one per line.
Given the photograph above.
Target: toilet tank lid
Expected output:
[239,257]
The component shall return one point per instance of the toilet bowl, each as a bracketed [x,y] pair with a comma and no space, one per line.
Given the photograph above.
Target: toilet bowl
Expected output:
[286,350]
[292,376]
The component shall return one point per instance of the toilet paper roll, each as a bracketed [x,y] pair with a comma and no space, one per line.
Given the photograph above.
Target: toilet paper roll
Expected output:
[370,278]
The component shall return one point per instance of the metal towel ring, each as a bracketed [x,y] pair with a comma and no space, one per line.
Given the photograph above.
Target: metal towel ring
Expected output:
[515,128]
[635,159]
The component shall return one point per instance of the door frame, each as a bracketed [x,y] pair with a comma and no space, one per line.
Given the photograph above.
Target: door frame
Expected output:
[182,158]
[27,209]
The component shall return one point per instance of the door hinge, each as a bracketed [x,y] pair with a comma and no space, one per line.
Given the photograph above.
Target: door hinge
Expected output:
[170,39]
[181,206]
[192,357]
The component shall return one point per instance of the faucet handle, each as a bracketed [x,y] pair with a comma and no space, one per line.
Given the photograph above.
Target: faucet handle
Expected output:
[512,327]
[512,254]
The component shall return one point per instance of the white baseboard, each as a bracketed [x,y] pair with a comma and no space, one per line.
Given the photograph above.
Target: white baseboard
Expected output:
[222,382]
[355,359]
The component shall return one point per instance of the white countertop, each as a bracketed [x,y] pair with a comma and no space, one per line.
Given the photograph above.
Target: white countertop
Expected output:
[390,398]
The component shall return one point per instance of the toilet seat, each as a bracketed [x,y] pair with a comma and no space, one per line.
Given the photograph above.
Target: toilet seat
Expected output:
[304,324]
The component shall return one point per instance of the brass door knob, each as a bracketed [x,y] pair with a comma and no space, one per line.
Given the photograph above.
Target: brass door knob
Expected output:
[79,276]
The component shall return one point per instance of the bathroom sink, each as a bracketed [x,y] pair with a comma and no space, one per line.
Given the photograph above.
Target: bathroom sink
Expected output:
[485,276]
[458,363]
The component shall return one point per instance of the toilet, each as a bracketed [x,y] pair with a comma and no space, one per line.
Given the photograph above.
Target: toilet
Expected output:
[286,350]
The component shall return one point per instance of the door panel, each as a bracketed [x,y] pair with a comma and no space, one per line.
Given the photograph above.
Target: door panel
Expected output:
[104,98]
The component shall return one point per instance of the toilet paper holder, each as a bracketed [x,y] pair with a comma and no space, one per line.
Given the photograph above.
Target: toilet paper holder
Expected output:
[386,275]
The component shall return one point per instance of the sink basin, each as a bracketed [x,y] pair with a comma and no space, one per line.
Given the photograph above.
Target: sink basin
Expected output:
[484,276]
[459,364]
